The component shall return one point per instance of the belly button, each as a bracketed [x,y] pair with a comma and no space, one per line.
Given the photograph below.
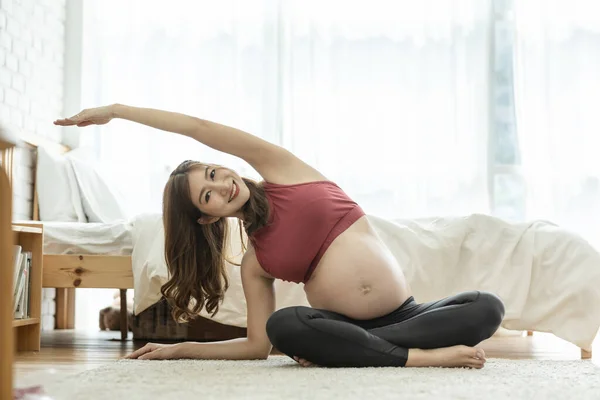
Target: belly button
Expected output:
[365,289]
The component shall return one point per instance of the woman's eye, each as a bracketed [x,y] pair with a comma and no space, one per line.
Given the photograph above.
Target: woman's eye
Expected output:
[212,174]
[207,196]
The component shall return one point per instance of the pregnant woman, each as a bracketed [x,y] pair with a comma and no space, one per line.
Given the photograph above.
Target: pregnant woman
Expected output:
[304,228]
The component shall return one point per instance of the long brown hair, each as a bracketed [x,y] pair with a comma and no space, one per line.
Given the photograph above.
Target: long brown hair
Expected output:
[195,253]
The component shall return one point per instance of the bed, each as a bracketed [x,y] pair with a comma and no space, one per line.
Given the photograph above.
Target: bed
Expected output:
[70,261]
[522,263]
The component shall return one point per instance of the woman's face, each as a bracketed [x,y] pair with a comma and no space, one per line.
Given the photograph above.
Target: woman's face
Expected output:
[217,191]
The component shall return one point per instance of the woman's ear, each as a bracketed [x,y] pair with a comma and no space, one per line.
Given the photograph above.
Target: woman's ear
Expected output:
[205,220]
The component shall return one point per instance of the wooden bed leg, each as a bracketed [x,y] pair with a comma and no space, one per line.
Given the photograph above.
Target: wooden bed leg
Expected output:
[65,308]
[124,324]
[586,355]
[71,308]
[529,333]
[61,309]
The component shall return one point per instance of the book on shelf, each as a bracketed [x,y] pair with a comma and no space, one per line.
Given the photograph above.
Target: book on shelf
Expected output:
[21,282]
[16,263]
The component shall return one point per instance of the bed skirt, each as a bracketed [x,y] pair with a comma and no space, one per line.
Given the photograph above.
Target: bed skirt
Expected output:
[156,323]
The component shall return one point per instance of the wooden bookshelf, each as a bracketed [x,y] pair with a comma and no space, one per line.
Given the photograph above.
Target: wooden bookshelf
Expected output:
[25,321]
[27,331]
[25,229]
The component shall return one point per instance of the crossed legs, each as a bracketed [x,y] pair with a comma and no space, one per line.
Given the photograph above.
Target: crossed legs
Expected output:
[437,333]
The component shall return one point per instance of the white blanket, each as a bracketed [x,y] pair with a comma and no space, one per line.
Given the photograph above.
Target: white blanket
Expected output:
[548,278]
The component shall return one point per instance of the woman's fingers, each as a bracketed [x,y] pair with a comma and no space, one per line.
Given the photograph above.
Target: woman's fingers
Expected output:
[74,120]
[139,352]
[64,122]
[71,122]
[152,355]
[135,354]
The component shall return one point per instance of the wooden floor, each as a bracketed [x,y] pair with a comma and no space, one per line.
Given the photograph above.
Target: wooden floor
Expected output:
[68,351]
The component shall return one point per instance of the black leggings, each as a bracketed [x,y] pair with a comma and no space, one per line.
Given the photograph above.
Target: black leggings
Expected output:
[333,340]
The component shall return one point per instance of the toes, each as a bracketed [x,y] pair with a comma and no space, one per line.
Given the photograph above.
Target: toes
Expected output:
[474,352]
[480,354]
[469,352]
[475,363]
[302,361]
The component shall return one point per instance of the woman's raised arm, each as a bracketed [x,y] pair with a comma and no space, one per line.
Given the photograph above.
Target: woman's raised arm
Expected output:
[272,162]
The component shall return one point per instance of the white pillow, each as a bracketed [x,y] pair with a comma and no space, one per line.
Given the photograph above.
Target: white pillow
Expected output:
[101,202]
[58,195]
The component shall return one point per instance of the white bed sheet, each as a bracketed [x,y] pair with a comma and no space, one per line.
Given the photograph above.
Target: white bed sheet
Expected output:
[88,238]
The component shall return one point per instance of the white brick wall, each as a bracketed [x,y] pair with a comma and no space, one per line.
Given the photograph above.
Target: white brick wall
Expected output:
[32,47]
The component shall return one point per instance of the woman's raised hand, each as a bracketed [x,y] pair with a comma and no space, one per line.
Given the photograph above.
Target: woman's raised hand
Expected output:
[89,116]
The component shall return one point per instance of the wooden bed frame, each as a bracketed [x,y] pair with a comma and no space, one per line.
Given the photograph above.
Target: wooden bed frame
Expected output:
[68,272]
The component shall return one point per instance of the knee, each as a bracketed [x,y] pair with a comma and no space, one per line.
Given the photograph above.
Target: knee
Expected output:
[283,325]
[491,308]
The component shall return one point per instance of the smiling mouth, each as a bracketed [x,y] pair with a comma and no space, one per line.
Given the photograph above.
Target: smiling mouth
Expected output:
[234,191]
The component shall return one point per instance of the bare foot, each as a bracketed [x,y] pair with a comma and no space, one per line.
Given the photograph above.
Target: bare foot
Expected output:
[304,363]
[455,356]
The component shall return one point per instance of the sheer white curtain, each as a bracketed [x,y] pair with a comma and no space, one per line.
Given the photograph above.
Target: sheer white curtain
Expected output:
[215,60]
[390,99]
[557,93]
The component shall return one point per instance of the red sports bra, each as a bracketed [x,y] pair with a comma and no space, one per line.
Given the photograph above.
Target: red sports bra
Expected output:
[304,220]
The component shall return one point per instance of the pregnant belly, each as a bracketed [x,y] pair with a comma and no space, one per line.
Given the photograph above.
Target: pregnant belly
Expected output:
[357,276]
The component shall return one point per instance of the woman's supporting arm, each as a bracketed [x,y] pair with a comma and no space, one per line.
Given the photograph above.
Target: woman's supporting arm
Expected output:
[234,349]
[260,299]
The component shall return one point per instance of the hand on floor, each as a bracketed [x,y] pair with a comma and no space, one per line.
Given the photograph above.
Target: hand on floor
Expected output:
[304,363]
[155,351]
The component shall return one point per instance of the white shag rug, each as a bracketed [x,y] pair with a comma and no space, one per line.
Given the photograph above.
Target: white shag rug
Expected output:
[281,378]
